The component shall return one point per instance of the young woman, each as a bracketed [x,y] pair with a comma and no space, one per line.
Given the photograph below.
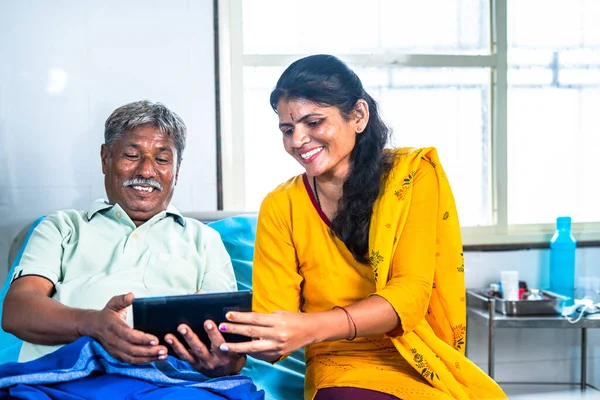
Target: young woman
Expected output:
[359,259]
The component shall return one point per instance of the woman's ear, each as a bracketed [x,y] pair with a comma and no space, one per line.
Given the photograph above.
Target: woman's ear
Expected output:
[361,115]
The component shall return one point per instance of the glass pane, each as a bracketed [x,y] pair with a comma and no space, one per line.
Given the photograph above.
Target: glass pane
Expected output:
[356,26]
[448,109]
[445,108]
[554,92]
[266,162]
[588,195]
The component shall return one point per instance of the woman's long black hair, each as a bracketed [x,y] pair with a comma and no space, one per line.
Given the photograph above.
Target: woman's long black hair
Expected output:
[327,81]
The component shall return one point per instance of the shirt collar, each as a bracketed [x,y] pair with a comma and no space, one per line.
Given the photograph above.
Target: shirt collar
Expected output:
[97,206]
[171,210]
[102,204]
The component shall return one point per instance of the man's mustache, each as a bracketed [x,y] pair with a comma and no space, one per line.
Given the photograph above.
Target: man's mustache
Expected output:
[143,181]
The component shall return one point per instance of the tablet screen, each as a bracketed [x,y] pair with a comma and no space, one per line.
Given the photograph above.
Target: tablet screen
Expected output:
[163,314]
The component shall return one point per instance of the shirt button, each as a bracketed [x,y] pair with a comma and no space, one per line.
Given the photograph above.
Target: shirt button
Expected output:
[135,236]
[118,214]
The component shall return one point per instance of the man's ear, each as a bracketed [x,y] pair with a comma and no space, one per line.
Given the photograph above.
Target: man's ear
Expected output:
[176,176]
[361,115]
[104,156]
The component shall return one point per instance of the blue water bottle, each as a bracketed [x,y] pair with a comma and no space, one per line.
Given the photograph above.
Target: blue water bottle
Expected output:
[562,260]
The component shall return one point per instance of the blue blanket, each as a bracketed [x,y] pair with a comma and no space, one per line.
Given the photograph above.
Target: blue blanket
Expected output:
[84,370]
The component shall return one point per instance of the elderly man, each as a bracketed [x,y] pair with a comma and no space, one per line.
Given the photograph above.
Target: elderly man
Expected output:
[81,269]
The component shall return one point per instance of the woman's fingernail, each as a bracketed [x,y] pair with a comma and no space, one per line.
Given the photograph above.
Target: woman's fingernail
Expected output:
[162,357]
[209,326]
[229,316]
[161,352]
[169,341]
[222,328]
[183,331]
[153,343]
[223,347]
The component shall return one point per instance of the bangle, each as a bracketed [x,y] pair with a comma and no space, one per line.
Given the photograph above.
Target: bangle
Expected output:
[350,319]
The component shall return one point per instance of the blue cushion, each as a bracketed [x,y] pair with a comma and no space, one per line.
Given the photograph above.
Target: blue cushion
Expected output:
[282,381]
[10,346]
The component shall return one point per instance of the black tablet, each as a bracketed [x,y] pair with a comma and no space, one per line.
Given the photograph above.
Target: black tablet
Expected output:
[163,314]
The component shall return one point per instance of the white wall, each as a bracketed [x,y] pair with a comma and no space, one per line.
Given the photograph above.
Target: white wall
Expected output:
[65,66]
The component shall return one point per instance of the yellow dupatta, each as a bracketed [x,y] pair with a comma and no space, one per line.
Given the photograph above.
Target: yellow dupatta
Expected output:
[436,347]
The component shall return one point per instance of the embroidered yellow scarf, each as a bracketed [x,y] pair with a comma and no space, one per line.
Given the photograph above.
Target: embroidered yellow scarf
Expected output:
[436,347]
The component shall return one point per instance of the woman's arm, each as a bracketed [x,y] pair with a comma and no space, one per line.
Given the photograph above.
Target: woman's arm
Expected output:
[275,278]
[409,288]
[401,305]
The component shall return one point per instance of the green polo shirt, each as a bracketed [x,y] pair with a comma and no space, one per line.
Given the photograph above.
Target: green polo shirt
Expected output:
[95,255]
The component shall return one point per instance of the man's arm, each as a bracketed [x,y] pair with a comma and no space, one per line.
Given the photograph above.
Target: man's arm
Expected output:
[30,314]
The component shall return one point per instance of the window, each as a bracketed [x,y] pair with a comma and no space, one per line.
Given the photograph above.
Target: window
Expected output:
[506,93]
[553,110]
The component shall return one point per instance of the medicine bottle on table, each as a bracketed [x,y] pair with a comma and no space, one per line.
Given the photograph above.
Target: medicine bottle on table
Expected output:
[562,260]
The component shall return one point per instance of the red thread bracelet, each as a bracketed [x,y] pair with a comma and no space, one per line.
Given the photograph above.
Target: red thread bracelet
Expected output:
[350,319]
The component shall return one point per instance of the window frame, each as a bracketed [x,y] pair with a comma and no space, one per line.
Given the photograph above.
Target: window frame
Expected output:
[500,235]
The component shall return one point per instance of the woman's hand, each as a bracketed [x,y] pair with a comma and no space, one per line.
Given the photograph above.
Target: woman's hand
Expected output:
[211,362]
[275,334]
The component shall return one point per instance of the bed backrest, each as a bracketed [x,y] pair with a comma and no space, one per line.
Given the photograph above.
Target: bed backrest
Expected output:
[9,344]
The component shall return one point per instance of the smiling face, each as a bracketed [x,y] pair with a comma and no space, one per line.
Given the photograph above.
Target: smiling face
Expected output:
[140,172]
[318,137]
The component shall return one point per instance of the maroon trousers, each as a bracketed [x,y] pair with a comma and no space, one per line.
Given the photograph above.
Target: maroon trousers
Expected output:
[350,393]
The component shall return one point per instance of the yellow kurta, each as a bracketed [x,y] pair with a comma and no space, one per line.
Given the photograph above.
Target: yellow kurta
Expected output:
[416,264]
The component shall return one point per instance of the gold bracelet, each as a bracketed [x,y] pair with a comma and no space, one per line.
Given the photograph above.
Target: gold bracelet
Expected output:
[350,319]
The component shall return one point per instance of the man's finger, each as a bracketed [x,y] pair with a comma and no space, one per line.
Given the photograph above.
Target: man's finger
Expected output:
[214,335]
[180,350]
[197,348]
[134,359]
[120,302]
[137,343]
[141,338]
[135,351]
[133,336]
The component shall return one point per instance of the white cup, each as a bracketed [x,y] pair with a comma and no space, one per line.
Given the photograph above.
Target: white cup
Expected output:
[510,285]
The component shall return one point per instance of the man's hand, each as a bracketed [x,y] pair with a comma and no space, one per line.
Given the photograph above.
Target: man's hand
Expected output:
[211,362]
[108,327]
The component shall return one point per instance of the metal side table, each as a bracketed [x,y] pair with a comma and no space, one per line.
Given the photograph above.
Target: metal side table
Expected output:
[496,320]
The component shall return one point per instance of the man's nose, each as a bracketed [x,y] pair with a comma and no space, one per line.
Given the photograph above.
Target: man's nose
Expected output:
[146,167]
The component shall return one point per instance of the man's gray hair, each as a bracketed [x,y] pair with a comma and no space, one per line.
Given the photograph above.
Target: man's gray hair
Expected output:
[139,113]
